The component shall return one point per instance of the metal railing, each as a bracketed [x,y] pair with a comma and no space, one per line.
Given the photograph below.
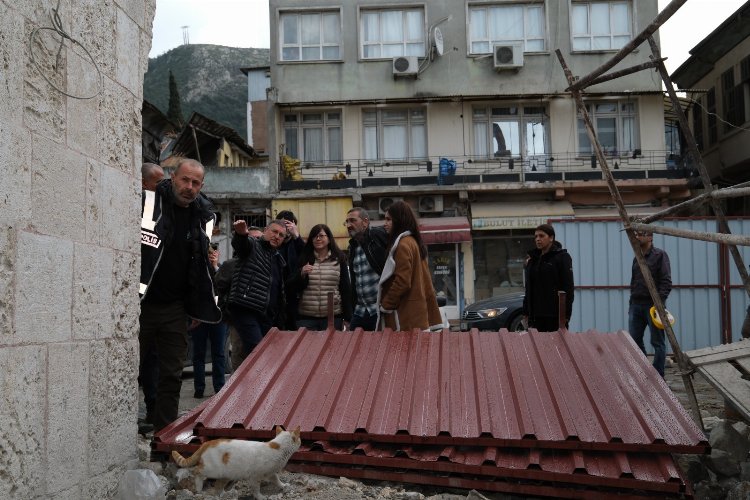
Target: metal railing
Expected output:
[635,164]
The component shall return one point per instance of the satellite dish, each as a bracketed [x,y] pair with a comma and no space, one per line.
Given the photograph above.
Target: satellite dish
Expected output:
[437,37]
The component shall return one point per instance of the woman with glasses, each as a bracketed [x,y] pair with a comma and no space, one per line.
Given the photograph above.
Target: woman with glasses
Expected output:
[406,295]
[322,270]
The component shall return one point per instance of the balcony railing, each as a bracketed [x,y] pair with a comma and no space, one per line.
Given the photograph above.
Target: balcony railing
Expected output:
[471,170]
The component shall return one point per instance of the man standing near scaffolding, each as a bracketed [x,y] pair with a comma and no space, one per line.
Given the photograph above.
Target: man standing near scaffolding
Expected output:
[657,261]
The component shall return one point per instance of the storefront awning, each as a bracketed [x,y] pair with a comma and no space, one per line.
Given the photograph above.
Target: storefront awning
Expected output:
[436,231]
[517,215]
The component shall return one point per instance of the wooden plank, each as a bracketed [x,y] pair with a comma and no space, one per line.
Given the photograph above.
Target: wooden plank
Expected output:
[724,352]
[745,365]
[727,380]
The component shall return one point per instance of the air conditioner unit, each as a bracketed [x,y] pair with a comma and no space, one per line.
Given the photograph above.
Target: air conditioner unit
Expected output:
[385,202]
[431,203]
[405,66]
[507,55]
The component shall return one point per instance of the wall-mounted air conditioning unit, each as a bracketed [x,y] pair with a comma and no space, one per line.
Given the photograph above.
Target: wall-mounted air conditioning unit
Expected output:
[507,55]
[431,203]
[385,202]
[405,66]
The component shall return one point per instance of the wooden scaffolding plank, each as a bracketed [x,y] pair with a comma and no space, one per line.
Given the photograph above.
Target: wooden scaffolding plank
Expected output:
[720,353]
[727,380]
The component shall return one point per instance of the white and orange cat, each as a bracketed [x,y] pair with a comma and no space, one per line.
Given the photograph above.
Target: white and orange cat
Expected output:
[236,459]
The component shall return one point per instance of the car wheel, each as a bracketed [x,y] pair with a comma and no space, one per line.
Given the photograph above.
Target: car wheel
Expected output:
[516,324]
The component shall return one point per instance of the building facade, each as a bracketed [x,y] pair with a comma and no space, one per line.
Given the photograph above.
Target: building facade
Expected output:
[460,109]
[716,80]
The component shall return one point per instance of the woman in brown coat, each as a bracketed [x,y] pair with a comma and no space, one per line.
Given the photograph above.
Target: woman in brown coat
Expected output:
[406,296]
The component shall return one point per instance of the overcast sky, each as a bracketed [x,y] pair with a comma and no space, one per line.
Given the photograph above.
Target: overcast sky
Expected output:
[244,23]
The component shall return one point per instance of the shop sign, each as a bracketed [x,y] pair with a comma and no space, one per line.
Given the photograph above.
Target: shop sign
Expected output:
[487,223]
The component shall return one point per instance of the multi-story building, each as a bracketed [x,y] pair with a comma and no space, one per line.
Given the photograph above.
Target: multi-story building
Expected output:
[716,78]
[378,100]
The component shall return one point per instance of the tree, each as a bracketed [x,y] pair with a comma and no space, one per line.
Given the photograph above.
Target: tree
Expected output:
[174,112]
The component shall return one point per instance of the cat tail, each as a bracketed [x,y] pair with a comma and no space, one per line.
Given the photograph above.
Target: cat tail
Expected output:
[192,459]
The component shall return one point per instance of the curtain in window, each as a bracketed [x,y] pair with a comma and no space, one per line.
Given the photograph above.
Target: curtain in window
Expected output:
[584,144]
[290,136]
[480,138]
[580,21]
[313,138]
[506,23]
[535,143]
[418,141]
[395,142]
[534,29]
[393,26]
[371,142]
[334,144]
[478,33]
[606,132]
[628,134]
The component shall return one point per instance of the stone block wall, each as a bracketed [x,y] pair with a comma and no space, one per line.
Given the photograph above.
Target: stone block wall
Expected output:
[69,253]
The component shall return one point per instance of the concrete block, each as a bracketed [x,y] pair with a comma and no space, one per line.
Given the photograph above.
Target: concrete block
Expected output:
[44,273]
[15,183]
[113,404]
[58,190]
[83,135]
[11,76]
[7,280]
[128,41]
[72,493]
[94,27]
[136,10]
[120,211]
[722,463]
[92,292]
[119,114]
[44,105]
[125,280]
[103,485]
[23,380]
[68,422]
[93,202]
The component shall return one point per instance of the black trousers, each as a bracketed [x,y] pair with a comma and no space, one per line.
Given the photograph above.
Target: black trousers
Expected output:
[545,323]
[163,332]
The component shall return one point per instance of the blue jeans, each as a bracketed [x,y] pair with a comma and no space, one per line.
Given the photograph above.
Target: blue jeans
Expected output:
[367,322]
[217,335]
[251,327]
[638,318]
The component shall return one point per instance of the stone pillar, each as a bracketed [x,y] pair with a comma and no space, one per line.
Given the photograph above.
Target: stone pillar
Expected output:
[69,244]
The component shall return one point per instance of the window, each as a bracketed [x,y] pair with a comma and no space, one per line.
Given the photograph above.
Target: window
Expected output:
[395,134]
[510,130]
[615,124]
[698,123]
[489,25]
[314,137]
[713,134]
[310,36]
[601,25]
[391,33]
[733,100]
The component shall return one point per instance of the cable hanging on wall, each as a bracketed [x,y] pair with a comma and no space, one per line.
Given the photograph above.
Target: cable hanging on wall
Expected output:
[58,28]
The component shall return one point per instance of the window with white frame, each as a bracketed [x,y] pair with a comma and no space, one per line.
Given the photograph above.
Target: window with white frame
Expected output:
[510,131]
[615,124]
[491,24]
[390,33]
[314,136]
[310,36]
[601,25]
[398,134]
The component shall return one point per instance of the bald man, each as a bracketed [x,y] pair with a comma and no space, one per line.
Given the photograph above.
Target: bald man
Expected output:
[151,174]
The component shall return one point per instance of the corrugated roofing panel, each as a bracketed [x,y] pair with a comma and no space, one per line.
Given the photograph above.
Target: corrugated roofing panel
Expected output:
[552,390]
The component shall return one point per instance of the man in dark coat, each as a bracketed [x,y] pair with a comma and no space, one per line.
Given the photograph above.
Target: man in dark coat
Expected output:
[256,295]
[176,227]
[639,315]
[549,269]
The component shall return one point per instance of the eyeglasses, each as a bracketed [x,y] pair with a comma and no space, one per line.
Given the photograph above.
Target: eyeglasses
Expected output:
[321,236]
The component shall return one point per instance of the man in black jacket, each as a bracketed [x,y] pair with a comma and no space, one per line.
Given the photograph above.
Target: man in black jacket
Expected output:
[256,295]
[640,299]
[549,270]
[177,222]
[367,253]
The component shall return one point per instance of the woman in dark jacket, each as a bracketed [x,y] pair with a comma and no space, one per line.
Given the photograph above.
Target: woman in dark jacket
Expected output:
[549,269]
[322,270]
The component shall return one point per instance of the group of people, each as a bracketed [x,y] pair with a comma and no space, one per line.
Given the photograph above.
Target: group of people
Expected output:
[277,278]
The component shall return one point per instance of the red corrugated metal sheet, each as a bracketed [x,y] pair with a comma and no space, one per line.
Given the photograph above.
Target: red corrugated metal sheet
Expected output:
[557,390]
[584,409]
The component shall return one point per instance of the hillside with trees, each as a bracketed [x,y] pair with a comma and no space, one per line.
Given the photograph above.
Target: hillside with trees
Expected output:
[208,79]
